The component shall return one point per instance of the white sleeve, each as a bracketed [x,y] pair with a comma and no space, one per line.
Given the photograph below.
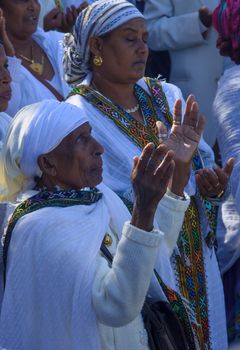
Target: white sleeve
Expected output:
[119,292]
[169,219]
[170,32]
[14,67]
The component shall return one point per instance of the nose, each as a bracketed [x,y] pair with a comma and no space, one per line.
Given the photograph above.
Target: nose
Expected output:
[5,77]
[98,149]
[33,4]
[143,47]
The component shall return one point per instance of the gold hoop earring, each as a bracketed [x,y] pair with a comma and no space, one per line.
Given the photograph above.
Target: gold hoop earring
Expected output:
[97,61]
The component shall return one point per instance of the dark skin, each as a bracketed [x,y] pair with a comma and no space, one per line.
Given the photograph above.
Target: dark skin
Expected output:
[76,163]
[124,53]
[211,182]
[19,19]
[56,19]
[5,80]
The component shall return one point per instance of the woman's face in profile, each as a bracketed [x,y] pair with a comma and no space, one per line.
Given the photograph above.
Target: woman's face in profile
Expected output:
[21,16]
[77,160]
[5,80]
[124,52]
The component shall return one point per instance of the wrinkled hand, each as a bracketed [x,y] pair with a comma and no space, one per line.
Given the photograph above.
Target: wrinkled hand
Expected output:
[226,50]
[184,136]
[53,19]
[205,16]
[150,176]
[8,46]
[183,141]
[212,183]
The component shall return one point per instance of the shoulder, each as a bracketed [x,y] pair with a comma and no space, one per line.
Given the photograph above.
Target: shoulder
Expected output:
[52,37]
[171,92]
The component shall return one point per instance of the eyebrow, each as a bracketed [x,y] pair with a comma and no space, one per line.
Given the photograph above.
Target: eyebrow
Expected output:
[129,29]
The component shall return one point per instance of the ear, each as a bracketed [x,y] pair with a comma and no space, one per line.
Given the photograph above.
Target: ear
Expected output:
[47,165]
[96,45]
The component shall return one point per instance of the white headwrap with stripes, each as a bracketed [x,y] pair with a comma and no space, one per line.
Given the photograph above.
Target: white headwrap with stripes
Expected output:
[97,19]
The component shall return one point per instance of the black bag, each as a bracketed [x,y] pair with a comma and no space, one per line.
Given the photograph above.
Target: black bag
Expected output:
[164,329]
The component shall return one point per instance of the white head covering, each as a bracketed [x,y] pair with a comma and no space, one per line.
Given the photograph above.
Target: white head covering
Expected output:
[35,130]
[97,19]
[4,125]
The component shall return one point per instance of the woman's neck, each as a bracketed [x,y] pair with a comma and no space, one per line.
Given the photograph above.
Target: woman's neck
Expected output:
[119,93]
[21,45]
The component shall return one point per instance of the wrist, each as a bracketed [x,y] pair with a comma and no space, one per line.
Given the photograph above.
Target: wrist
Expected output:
[142,217]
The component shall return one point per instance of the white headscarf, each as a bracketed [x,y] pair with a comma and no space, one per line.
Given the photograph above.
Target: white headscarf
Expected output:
[97,19]
[35,130]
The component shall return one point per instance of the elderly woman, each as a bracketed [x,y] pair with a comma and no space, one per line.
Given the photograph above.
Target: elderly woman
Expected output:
[37,55]
[106,57]
[60,292]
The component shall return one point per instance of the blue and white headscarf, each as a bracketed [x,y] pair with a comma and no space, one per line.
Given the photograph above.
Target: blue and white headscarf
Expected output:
[97,19]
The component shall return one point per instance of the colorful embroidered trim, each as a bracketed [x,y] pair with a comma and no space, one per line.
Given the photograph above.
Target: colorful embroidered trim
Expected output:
[174,300]
[153,109]
[47,199]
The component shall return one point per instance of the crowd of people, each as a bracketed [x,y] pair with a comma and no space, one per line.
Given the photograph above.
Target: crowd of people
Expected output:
[98,160]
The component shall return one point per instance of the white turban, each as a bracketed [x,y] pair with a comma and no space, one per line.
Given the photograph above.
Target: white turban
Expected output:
[99,18]
[36,129]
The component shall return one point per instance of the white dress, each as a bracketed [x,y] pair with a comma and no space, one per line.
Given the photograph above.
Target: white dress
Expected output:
[117,160]
[60,292]
[27,89]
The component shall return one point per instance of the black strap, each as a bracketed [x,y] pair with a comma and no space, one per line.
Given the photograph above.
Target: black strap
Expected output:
[106,253]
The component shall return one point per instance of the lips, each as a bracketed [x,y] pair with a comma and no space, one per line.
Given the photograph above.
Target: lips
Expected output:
[142,63]
[31,19]
[6,95]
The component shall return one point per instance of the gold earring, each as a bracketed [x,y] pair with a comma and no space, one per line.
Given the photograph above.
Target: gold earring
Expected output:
[97,61]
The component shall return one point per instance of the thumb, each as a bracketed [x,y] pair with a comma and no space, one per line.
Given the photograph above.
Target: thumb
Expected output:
[229,166]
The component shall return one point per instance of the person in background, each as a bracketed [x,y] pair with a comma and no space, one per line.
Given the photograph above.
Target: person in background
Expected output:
[37,55]
[5,95]
[105,61]
[226,20]
[60,292]
[185,29]
[58,15]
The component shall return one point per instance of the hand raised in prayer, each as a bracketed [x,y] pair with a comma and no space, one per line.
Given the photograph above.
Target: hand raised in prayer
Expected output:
[150,176]
[183,140]
[70,17]
[205,16]
[53,19]
[8,46]
[212,183]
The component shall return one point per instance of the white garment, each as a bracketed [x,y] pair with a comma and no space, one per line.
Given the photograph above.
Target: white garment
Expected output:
[4,124]
[196,64]
[36,129]
[27,89]
[53,254]
[118,155]
[226,109]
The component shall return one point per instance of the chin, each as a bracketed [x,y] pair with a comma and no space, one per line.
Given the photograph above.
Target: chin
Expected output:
[3,106]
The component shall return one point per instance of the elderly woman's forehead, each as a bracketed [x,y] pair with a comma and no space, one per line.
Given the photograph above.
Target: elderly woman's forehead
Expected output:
[84,128]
